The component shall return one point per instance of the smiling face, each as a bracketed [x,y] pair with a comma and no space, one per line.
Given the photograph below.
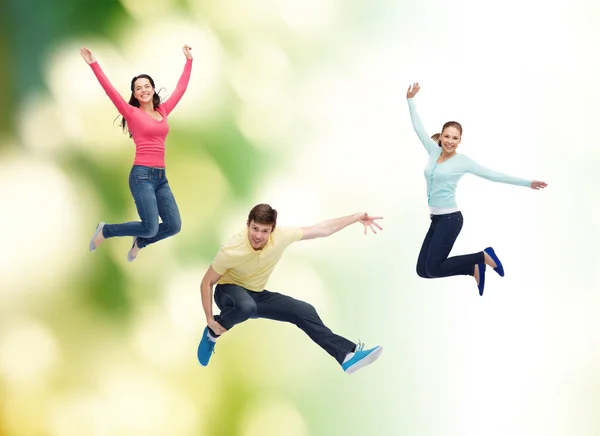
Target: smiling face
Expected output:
[449,139]
[258,234]
[143,90]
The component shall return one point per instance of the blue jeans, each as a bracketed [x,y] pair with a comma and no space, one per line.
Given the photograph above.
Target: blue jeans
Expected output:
[238,304]
[153,198]
[433,261]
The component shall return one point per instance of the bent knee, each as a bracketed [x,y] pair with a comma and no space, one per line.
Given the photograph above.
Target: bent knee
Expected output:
[175,227]
[246,309]
[422,273]
[432,272]
[150,229]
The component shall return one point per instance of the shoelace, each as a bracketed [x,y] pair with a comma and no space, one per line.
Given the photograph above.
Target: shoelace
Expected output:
[359,347]
[211,347]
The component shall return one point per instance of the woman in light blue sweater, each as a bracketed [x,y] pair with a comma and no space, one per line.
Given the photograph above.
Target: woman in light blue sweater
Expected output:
[444,169]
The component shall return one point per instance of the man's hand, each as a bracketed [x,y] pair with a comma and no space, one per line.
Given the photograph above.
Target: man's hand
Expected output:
[369,221]
[216,327]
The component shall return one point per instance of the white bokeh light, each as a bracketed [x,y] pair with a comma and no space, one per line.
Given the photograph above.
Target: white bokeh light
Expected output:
[244,17]
[29,353]
[263,79]
[45,229]
[312,18]
[157,342]
[148,11]
[141,403]
[77,414]
[183,304]
[273,417]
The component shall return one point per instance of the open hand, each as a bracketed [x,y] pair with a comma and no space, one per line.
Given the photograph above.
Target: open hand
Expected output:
[369,221]
[216,327]
[412,90]
[87,55]
[187,51]
[537,185]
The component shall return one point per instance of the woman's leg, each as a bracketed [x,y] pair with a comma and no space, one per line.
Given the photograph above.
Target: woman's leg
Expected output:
[169,214]
[421,271]
[142,185]
[447,227]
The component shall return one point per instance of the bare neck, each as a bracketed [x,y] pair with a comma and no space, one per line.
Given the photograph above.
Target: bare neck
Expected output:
[148,107]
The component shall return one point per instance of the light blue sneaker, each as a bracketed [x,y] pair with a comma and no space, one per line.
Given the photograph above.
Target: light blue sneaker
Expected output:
[361,358]
[206,348]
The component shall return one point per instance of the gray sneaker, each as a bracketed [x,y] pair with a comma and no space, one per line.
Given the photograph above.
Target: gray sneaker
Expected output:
[98,230]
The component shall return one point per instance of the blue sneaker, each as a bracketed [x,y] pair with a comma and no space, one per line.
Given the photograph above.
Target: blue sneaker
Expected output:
[206,348]
[481,285]
[499,268]
[361,358]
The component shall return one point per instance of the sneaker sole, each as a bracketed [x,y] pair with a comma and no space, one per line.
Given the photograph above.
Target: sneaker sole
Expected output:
[365,361]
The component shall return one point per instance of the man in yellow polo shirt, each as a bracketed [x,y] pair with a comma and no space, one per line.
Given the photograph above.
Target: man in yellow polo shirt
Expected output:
[241,270]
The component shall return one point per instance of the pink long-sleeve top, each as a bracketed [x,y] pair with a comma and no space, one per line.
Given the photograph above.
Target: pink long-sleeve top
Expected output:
[148,133]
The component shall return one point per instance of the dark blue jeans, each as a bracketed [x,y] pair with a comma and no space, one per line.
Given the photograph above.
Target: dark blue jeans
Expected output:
[238,304]
[153,198]
[433,261]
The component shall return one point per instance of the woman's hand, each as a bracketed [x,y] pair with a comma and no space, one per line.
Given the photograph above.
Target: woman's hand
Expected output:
[412,90]
[187,51]
[87,55]
[537,185]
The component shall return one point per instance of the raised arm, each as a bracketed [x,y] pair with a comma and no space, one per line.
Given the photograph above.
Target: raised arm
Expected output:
[206,290]
[182,84]
[329,227]
[122,106]
[426,140]
[495,176]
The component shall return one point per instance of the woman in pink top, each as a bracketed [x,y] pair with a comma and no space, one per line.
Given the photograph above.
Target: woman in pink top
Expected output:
[145,119]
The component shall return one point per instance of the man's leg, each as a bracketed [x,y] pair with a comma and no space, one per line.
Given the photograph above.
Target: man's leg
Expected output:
[236,306]
[278,307]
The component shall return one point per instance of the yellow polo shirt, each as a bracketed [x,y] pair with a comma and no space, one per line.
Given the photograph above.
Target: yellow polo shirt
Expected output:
[239,264]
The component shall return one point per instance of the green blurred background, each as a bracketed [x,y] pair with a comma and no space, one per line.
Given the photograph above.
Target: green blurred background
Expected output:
[301,105]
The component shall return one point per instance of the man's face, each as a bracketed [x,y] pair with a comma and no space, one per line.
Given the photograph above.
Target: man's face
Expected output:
[258,234]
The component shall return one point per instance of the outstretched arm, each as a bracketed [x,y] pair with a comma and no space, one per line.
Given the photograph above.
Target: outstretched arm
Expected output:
[182,84]
[426,140]
[122,106]
[206,290]
[329,227]
[495,176]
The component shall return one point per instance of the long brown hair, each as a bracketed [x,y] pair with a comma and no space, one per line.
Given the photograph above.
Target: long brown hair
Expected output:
[156,100]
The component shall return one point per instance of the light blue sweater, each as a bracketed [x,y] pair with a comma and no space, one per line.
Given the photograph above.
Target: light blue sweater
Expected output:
[443,178]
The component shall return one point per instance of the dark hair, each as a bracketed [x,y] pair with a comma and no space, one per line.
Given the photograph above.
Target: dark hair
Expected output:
[455,124]
[263,214]
[134,101]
